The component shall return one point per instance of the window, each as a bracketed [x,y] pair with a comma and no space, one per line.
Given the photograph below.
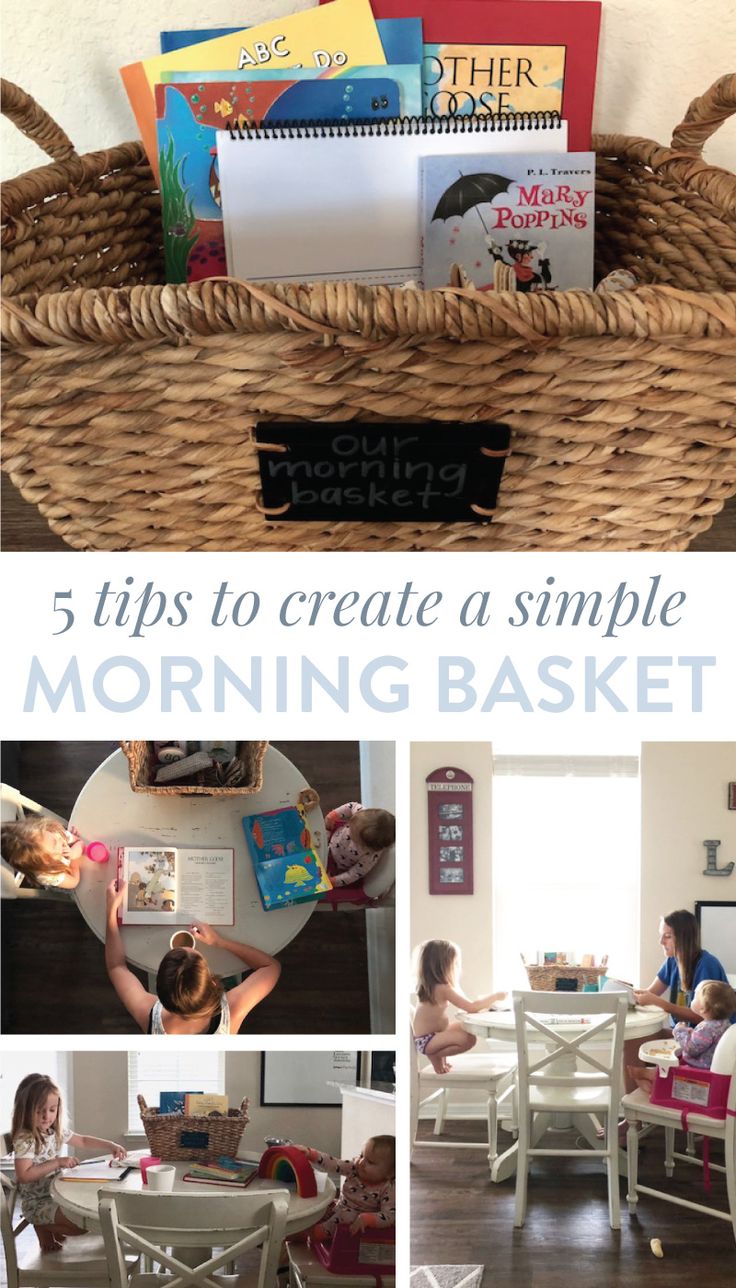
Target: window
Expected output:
[150,1072]
[566,852]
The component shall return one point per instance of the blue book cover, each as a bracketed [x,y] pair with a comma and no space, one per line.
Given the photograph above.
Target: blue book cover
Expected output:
[401,38]
[172,1102]
[406,77]
[188,116]
[287,867]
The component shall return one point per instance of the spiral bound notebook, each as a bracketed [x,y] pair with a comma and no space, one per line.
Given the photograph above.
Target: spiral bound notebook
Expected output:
[323,202]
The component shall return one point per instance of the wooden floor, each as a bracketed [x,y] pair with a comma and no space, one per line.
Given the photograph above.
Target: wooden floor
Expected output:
[24,529]
[458,1216]
[53,969]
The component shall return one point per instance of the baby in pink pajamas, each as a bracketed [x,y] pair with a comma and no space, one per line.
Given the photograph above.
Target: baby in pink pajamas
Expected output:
[357,838]
[367,1199]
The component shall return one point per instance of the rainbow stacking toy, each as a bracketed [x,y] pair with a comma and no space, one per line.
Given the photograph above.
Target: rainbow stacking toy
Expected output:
[285,1163]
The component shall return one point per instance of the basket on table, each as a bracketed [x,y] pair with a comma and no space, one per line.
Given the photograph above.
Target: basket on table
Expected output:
[129,404]
[546,978]
[142,766]
[193,1137]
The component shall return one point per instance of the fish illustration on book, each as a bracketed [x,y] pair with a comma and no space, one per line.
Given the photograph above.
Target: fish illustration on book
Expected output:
[188,116]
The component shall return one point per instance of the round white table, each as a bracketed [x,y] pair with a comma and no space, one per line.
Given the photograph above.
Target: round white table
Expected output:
[107,809]
[641,1022]
[80,1199]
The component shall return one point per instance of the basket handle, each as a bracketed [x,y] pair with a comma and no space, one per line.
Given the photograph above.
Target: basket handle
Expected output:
[31,119]
[142,1103]
[704,116]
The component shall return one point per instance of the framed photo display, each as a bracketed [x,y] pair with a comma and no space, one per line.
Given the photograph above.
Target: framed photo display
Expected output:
[307,1077]
[450,831]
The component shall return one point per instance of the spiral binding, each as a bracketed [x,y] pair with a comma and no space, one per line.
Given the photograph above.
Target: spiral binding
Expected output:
[489,124]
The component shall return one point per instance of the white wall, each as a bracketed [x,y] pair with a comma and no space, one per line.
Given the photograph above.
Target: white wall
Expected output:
[655,56]
[684,789]
[465,919]
[95,1088]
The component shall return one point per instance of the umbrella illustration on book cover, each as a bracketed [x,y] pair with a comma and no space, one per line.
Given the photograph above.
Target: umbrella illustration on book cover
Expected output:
[468,193]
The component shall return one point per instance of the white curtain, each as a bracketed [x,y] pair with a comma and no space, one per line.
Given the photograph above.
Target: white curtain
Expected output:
[566,856]
[151,1072]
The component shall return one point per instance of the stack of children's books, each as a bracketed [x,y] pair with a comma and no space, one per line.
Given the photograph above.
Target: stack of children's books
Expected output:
[235,1172]
[437,142]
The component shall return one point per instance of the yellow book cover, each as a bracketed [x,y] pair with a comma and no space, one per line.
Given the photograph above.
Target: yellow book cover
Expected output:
[343,32]
[199,1103]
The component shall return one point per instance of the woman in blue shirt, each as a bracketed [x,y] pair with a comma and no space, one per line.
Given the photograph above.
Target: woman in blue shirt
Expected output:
[685,966]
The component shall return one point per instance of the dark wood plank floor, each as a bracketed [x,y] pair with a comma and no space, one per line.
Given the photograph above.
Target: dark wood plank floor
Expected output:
[23,528]
[459,1216]
[53,968]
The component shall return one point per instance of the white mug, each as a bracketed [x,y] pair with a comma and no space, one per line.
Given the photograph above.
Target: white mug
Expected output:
[185,937]
[161,1177]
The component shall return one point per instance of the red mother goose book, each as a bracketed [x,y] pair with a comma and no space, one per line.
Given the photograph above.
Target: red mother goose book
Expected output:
[488,56]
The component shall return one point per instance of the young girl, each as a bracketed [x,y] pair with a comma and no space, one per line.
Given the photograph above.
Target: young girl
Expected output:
[367,1199]
[38,1134]
[715,1002]
[438,972]
[46,852]
[357,838]
[188,997]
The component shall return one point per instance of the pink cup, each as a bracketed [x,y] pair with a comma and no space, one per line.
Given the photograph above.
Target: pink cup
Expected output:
[97,851]
[145,1163]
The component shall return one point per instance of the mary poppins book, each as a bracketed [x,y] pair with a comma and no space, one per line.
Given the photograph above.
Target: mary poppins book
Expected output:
[519,222]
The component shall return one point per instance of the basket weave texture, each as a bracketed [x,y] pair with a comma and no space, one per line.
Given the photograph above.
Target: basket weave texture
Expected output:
[543,979]
[142,766]
[129,405]
[164,1132]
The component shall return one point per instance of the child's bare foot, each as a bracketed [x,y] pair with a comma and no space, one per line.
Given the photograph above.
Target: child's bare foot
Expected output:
[440,1064]
[641,1076]
[47,1240]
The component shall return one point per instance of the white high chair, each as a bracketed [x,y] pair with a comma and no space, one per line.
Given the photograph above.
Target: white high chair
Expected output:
[639,1109]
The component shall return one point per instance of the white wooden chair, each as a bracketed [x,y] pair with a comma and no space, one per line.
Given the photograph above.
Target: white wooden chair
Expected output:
[490,1074]
[80,1263]
[174,1230]
[9,1184]
[568,1077]
[639,1109]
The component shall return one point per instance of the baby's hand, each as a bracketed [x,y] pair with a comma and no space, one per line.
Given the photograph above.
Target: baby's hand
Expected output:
[305,1149]
[357,1225]
[117,1151]
[68,1161]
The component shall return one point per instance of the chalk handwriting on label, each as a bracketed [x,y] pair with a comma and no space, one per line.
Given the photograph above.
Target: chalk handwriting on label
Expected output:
[399,472]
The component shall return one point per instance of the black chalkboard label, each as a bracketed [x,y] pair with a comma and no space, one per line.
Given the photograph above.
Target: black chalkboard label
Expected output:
[194,1139]
[398,472]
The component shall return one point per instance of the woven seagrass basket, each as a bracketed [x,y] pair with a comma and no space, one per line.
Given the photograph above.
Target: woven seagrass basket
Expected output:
[214,1137]
[544,979]
[142,766]
[129,405]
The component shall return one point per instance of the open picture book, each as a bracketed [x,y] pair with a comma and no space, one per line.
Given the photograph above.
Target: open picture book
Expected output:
[175,886]
[287,867]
